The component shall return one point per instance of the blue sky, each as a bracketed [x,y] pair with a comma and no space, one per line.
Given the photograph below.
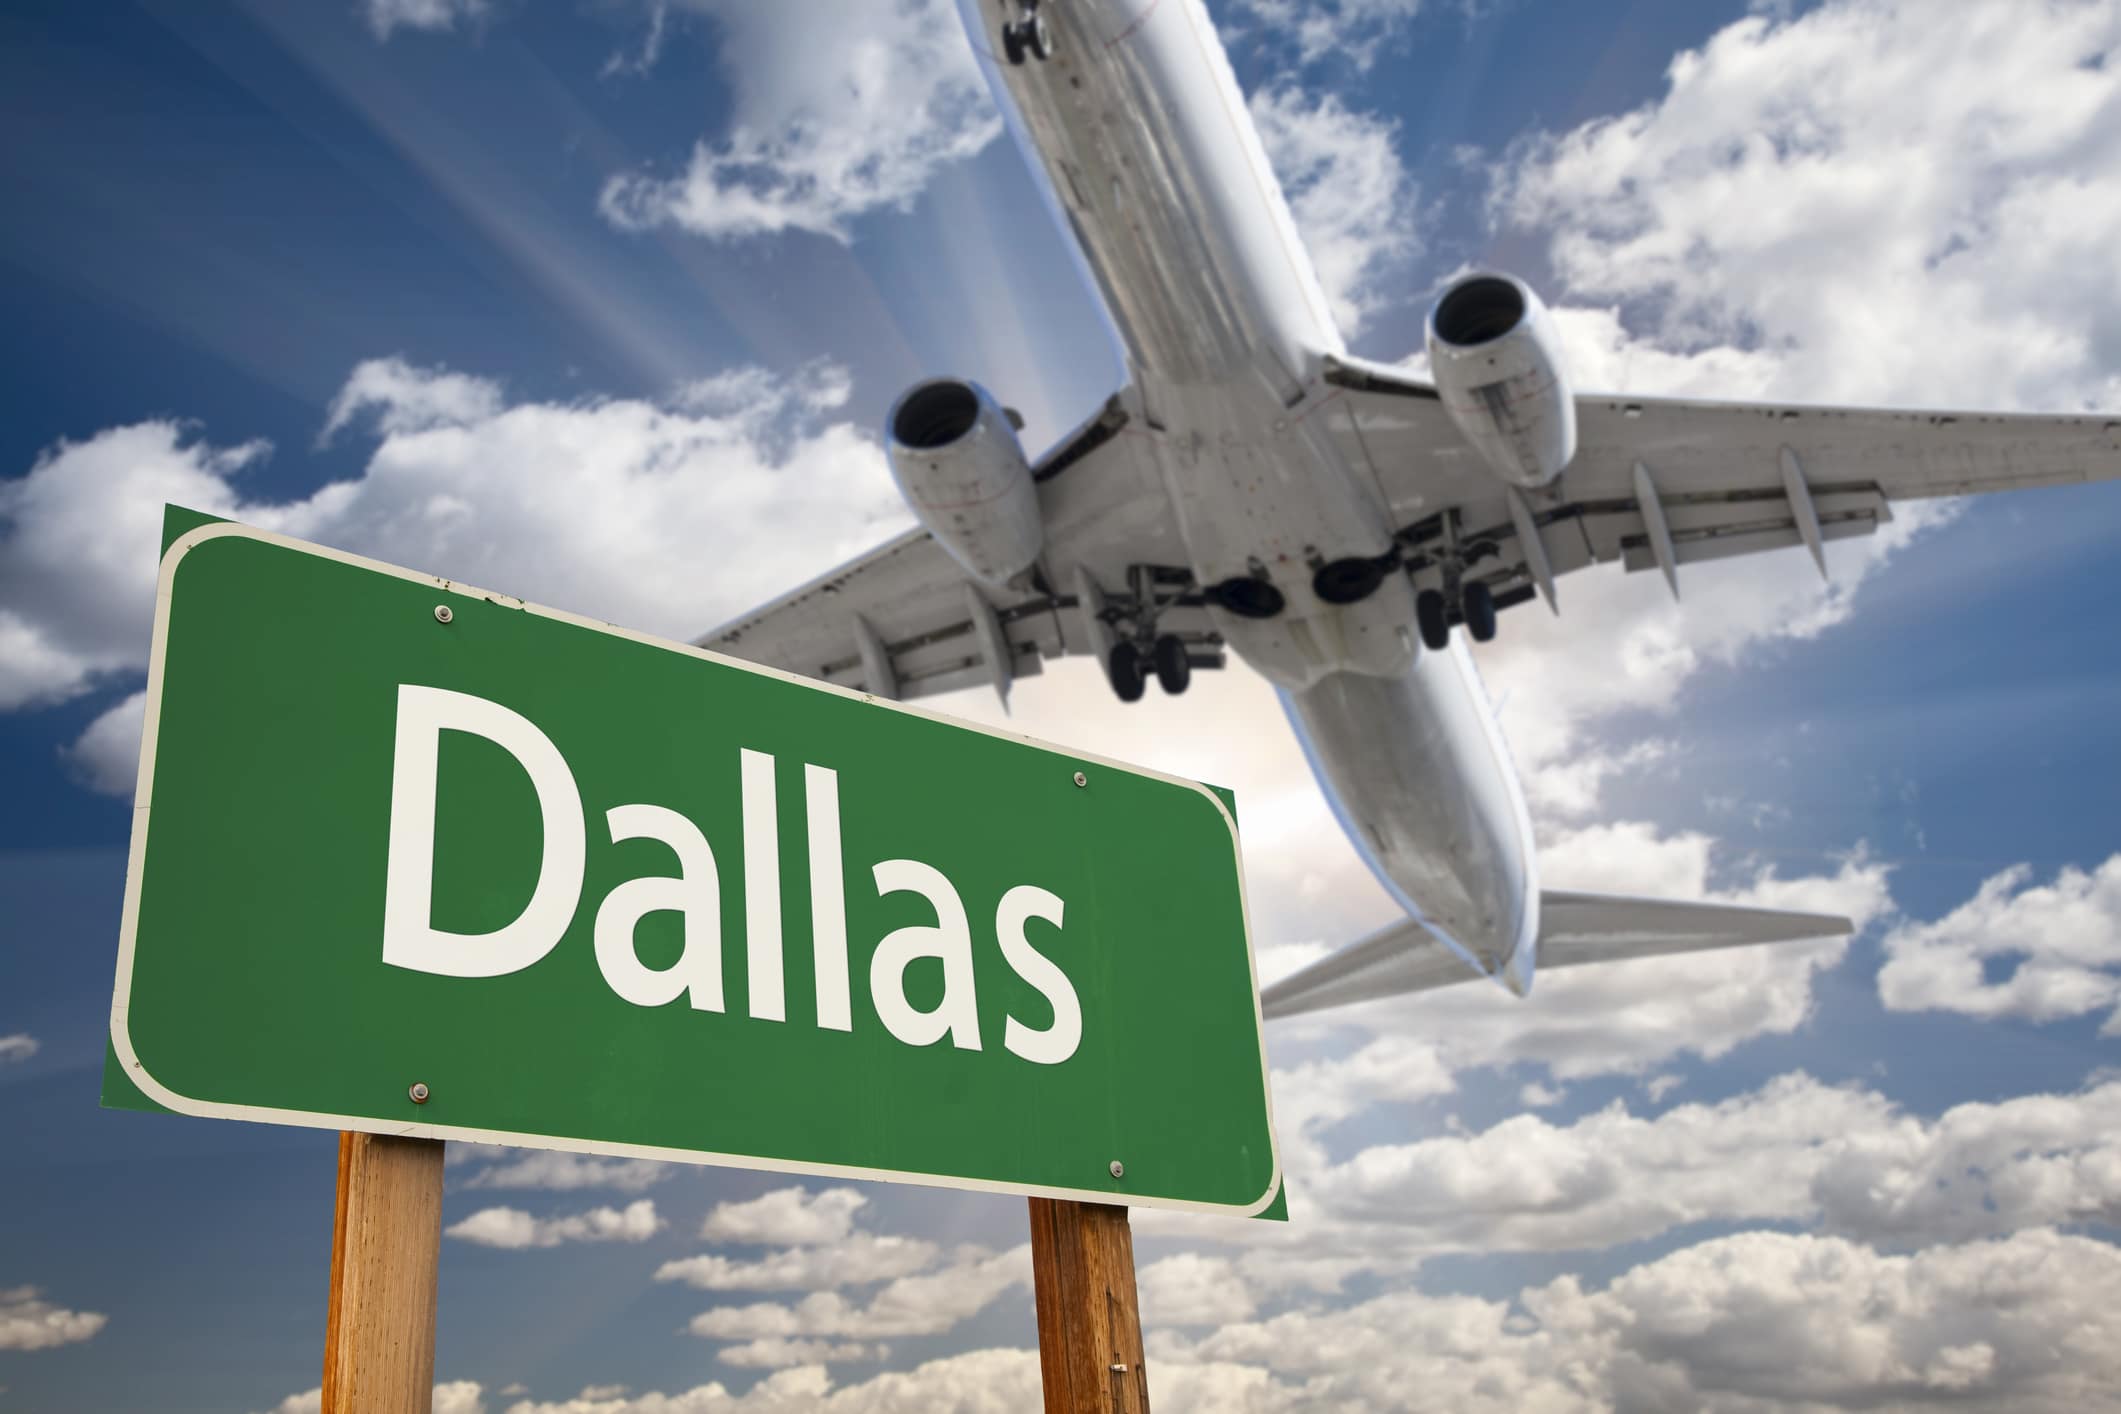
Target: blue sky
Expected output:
[433,280]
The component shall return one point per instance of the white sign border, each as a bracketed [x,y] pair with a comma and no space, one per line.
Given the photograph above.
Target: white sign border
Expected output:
[121,995]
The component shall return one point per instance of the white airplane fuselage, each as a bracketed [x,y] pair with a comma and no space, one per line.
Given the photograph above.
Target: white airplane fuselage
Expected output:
[1138,124]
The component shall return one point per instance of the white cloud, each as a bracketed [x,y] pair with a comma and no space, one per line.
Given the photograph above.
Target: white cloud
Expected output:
[774,1354]
[976,1382]
[650,49]
[406,399]
[2060,944]
[77,551]
[106,757]
[514,1228]
[1600,353]
[851,1260]
[1659,1086]
[838,108]
[28,1322]
[1979,1169]
[1632,1017]
[1751,1322]
[385,16]
[928,1304]
[786,1217]
[1622,644]
[1872,204]
[1348,191]
[637,512]
[1314,1095]
[1567,787]
[1192,1290]
[1739,1324]
[18,1047]
[556,1171]
[1796,1150]
[451,1397]
[1351,30]
[1535,1096]
[1842,1159]
[33,669]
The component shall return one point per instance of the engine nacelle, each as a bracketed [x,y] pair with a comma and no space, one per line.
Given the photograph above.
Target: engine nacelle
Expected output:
[959,465]
[1495,359]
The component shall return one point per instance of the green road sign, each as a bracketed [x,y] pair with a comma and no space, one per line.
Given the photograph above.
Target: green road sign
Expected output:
[414,858]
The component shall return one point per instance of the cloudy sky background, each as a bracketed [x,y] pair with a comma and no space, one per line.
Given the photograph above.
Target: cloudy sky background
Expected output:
[601,303]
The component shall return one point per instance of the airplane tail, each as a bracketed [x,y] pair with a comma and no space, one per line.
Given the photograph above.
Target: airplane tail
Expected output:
[1574,930]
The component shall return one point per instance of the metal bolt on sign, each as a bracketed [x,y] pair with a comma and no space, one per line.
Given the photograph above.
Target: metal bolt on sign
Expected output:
[418,1092]
[443,614]
[1119,1170]
[1081,779]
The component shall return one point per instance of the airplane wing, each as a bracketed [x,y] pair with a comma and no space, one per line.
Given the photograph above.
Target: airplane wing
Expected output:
[1662,482]
[905,621]
[1574,930]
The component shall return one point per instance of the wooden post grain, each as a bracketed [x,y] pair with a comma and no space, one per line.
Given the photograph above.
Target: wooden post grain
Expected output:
[1089,1326]
[379,1334]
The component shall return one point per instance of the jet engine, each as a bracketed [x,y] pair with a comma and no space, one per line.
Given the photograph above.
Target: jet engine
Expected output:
[957,461]
[1494,356]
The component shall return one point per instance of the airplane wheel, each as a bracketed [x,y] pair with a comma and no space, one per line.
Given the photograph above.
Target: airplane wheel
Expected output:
[1038,40]
[1173,668]
[1429,614]
[1479,612]
[1125,670]
[1012,44]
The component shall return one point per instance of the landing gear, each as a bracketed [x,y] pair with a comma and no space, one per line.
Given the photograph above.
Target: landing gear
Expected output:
[1433,619]
[1173,668]
[1128,669]
[1124,668]
[1434,616]
[1477,607]
[1129,624]
[1461,600]
[1027,37]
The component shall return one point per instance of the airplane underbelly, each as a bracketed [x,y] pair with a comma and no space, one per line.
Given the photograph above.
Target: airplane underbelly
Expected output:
[1151,155]
[1263,496]
[1143,134]
[1416,771]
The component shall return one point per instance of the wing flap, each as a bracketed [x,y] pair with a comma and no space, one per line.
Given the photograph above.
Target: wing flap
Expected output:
[1720,528]
[1724,473]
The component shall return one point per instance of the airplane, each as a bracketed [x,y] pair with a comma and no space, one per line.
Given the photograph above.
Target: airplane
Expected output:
[1341,525]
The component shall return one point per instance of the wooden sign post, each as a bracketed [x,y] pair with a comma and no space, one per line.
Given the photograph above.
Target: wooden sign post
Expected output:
[386,1246]
[1089,1325]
